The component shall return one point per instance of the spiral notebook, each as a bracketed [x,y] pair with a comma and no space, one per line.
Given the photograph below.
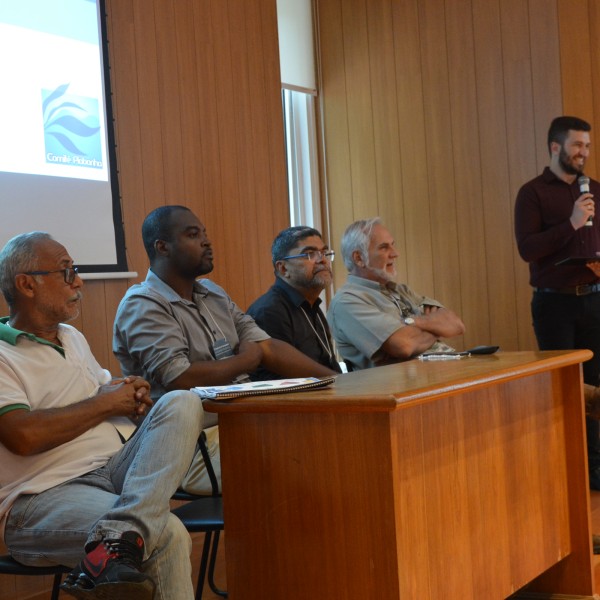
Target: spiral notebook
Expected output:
[260,388]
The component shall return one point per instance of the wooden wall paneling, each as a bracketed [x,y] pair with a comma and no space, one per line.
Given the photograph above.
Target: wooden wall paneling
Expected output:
[227,85]
[593,165]
[271,203]
[170,68]
[579,25]
[496,202]
[365,195]
[472,274]
[245,195]
[547,104]
[334,118]
[520,123]
[200,170]
[122,50]
[245,51]
[410,104]
[475,83]
[576,59]
[95,322]
[276,155]
[440,164]
[113,293]
[209,168]
[259,227]
[191,131]
[151,136]
[545,72]
[257,80]
[388,170]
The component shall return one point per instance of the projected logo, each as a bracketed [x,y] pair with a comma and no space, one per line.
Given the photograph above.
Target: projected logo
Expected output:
[71,129]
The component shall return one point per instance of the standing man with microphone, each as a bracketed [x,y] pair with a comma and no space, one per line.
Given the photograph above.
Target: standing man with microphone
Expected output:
[554,221]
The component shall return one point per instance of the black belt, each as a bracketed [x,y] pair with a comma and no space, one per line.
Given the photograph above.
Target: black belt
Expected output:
[578,290]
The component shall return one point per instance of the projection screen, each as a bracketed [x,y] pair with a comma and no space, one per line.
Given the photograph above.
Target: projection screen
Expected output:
[57,158]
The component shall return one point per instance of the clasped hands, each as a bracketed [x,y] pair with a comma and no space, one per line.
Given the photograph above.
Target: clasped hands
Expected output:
[130,396]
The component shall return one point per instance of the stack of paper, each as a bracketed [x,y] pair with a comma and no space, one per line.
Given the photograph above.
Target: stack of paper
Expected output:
[258,388]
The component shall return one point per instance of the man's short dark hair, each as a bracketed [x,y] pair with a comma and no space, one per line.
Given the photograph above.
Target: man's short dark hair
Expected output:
[288,238]
[559,129]
[157,226]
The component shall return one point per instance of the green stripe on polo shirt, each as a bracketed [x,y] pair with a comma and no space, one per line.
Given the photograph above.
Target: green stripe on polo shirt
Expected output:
[7,409]
[10,335]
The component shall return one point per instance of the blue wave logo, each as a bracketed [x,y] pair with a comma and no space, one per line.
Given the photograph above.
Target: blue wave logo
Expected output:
[71,129]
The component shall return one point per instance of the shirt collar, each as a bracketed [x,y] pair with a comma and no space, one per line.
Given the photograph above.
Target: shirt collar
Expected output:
[154,282]
[550,177]
[10,335]
[374,285]
[294,295]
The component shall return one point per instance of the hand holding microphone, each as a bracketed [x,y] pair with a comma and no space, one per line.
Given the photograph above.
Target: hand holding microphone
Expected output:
[584,188]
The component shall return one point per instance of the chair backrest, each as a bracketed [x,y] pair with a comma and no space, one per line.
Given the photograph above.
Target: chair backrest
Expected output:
[214,483]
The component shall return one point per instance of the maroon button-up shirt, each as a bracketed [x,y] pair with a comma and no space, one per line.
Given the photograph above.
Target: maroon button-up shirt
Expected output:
[545,235]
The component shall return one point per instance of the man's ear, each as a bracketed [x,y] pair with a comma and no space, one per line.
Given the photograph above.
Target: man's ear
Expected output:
[555,148]
[281,269]
[357,259]
[161,247]
[24,285]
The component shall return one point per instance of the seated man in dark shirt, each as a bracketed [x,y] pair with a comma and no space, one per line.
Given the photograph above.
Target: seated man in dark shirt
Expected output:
[290,310]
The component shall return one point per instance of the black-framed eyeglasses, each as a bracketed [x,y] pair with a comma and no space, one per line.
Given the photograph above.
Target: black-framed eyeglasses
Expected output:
[313,255]
[69,273]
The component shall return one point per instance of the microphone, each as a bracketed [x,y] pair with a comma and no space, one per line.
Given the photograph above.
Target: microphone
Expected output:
[584,188]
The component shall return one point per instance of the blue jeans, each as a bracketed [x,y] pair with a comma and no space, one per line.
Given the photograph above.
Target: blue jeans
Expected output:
[567,322]
[131,492]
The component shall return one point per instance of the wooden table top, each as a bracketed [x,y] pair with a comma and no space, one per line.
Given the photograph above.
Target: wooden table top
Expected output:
[394,386]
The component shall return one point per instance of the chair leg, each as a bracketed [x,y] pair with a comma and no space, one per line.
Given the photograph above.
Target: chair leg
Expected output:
[203,564]
[56,586]
[211,567]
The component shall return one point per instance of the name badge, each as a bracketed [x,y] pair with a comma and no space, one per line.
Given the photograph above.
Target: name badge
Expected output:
[221,349]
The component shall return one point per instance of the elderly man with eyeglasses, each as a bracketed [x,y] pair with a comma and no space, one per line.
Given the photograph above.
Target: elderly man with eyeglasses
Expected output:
[374,320]
[68,485]
[290,309]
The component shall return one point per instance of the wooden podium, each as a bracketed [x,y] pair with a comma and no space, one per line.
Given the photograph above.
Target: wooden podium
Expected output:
[462,479]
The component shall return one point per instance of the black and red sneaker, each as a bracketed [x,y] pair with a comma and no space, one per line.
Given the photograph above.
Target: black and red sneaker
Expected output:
[110,570]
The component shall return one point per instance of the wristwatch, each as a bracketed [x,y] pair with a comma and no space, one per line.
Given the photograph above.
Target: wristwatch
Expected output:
[409,321]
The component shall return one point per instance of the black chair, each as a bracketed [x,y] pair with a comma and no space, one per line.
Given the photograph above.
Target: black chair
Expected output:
[9,566]
[204,514]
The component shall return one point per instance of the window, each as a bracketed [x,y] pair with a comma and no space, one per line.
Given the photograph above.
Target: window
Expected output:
[302,162]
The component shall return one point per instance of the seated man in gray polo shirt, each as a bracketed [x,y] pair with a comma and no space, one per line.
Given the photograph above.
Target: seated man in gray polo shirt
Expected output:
[182,332]
[374,320]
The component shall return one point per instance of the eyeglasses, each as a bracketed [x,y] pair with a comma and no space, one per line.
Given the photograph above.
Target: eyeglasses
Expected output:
[313,255]
[69,273]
